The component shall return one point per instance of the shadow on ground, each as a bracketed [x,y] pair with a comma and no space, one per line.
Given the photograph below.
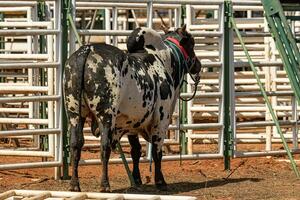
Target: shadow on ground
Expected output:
[181,187]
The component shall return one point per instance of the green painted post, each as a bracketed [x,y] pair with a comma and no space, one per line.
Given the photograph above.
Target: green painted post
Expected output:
[64,46]
[183,120]
[131,179]
[42,49]
[285,42]
[226,84]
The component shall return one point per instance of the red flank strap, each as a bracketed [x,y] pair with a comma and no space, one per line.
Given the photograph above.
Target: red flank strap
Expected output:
[179,46]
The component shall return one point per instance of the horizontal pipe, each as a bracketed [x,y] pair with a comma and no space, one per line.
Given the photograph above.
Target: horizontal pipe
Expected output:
[241,137]
[8,88]
[29,98]
[29,132]
[201,95]
[93,195]
[164,158]
[264,123]
[18,65]
[258,94]
[238,154]
[235,7]
[19,32]
[30,165]
[14,9]
[122,5]
[17,3]
[194,2]
[14,110]
[258,64]
[24,56]
[238,108]
[44,24]
[195,126]
[5,152]
[23,121]
[128,32]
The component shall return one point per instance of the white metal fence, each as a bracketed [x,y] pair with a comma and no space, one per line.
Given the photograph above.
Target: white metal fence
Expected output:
[20,89]
[204,19]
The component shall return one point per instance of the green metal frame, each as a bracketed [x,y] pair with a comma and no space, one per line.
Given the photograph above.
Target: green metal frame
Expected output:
[64,46]
[267,101]
[42,49]
[231,24]
[285,42]
[228,141]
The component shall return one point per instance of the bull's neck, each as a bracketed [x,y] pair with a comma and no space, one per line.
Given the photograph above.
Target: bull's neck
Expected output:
[178,63]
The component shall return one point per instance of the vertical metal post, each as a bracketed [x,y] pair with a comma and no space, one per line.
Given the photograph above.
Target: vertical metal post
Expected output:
[72,36]
[220,16]
[189,104]
[2,43]
[226,83]
[64,55]
[149,25]
[42,49]
[1,38]
[183,120]
[177,17]
[115,24]
[107,25]
[57,48]
[150,14]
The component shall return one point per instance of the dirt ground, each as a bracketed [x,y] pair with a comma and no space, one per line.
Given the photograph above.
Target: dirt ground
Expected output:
[250,178]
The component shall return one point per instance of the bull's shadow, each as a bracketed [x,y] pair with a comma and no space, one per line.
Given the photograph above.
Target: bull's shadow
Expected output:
[180,187]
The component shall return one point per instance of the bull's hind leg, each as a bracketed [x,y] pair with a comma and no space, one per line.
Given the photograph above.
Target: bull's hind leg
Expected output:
[135,155]
[157,157]
[105,154]
[76,144]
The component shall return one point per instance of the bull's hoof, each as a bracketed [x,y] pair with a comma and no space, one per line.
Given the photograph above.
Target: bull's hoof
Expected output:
[137,188]
[105,189]
[75,188]
[162,187]
[138,182]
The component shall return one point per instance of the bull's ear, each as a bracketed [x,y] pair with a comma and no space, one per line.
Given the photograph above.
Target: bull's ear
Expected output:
[183,28]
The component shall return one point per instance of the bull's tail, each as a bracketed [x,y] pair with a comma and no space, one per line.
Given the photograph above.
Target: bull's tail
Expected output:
[74,79]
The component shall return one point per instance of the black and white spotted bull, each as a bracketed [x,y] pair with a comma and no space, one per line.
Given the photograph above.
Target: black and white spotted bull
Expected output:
[126,94]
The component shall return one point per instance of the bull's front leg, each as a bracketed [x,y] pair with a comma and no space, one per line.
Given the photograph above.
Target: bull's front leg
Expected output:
[157,157]
[135,155]
[105,154]
[76,144]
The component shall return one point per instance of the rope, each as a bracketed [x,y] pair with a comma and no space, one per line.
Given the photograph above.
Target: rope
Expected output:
[178,54]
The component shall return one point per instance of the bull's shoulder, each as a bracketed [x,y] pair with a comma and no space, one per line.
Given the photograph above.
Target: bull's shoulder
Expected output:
[145,58]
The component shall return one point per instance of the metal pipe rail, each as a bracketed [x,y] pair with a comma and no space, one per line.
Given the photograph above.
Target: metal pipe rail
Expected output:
[86,32]
[26,32]
[29,28]
[39,194]
[92,5]
[193,2]
[21,65]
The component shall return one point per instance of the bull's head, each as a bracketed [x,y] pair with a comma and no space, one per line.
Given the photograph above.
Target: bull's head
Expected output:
[187,43]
